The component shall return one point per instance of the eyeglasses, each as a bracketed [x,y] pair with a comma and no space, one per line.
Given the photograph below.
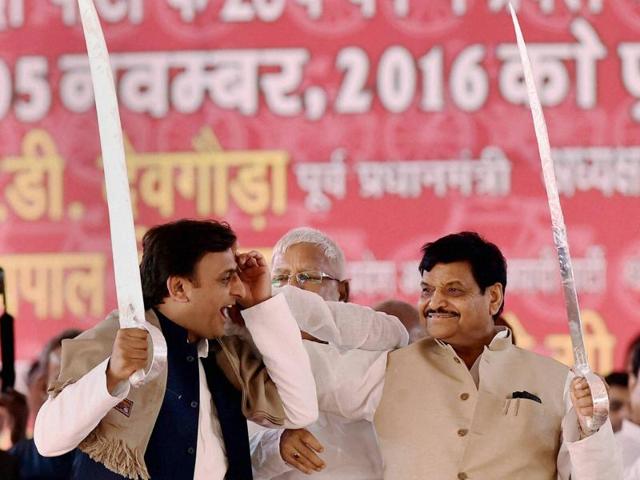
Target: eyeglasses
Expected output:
[302,278]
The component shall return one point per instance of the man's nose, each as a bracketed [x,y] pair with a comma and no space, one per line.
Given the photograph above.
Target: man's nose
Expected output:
[237,287]
[437,300]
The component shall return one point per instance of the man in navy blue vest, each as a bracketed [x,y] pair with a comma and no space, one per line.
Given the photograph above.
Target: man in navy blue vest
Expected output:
[189,422]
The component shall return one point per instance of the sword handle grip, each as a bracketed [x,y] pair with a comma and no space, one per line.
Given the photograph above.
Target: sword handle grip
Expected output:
[158,360]
[137,379]
[600,399]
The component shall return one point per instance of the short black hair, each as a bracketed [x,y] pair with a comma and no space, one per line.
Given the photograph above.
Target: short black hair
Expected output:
[488,265]
[619,379]
[174,249]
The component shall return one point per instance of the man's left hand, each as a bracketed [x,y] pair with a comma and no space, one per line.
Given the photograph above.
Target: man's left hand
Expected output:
[299,449]
[254,273]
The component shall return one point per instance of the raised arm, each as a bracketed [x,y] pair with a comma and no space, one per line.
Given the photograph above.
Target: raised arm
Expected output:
[72,411]
[345,325]
[277,337]
[584,457]
[65,420]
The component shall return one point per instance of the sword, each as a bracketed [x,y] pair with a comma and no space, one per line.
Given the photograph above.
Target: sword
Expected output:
[123,239]
[582,368]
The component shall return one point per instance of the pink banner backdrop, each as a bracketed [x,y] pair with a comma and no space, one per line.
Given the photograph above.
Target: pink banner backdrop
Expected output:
[385,123]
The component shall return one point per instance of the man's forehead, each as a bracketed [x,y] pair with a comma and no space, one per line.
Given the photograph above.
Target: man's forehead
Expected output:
[448,273]
[218,261]
[303,256]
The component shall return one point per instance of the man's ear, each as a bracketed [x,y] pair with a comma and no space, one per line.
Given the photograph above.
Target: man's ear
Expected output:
[179,289]
[496,298]
[343,290]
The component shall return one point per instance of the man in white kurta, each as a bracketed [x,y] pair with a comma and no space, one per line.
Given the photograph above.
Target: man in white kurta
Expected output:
[334,447]
[467,403]
[628,437]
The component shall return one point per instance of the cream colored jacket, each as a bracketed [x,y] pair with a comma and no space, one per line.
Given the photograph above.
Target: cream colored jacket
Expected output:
[435,421]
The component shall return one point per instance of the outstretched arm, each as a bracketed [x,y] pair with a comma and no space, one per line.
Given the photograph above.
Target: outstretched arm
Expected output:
[345,325]
[276,335]
[66,419]
[583,457]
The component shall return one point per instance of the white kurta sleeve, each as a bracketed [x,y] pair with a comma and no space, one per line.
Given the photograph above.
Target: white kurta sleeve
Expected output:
[349,382]
[277,337]
[593,458]
[64,421]
[633,472]
[266,461]
[345,325]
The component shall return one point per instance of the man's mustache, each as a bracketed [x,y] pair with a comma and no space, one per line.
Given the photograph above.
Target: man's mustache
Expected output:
[440,311]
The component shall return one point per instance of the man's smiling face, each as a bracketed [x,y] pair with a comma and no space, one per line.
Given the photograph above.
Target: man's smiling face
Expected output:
[454,308]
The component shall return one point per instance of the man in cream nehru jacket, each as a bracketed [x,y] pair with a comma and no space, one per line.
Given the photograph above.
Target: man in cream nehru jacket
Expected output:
[466,403]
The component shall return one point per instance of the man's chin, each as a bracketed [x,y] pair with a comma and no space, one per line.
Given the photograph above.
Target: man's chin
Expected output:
[440,333]
[214,332]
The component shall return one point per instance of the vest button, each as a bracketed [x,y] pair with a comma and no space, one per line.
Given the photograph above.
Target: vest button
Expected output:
[462,432]
[190,358]
[464,396]
[194,404]
[456,359]
[462,476]
[191,450]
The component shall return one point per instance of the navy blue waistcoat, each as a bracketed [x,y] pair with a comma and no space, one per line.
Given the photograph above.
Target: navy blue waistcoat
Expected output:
[171,452]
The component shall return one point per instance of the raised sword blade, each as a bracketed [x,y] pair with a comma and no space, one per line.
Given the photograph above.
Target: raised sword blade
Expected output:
[581,367]
[123,239]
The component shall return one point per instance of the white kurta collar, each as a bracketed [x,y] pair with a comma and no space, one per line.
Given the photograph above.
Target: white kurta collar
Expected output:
[497,343]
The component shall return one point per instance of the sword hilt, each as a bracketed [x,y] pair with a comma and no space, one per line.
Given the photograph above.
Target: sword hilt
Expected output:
[128,319]
[158,347]
[600,399]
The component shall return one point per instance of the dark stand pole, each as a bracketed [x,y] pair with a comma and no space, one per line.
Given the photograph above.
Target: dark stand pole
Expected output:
[7,342]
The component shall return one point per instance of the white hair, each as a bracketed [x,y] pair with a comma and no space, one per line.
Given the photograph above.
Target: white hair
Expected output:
[329,248]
